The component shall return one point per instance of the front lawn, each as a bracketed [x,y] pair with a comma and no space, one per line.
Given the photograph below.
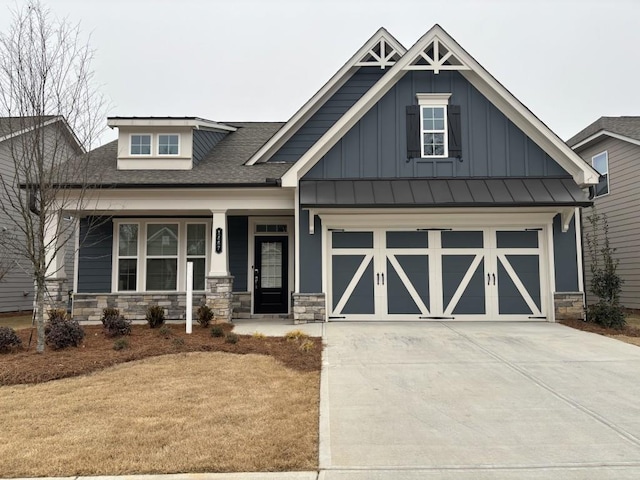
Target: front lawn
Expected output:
[167,403]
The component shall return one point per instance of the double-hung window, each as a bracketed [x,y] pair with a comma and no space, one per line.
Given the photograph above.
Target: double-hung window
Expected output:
[127,257]
[162,256]
[434,135]
[140,144]
[601,163]
[197,252]
[168,144]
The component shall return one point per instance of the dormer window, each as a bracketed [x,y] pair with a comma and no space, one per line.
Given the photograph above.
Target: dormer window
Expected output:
[169,144]
[140,144]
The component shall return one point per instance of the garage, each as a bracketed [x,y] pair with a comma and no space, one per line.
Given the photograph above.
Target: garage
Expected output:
[437,273]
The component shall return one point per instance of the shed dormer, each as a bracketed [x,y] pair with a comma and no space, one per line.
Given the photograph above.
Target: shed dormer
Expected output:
[165,143]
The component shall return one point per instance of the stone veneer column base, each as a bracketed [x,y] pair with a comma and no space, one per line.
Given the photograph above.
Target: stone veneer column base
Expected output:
[308,307]
[56,295]
[241,304]
[219,297]
[569,305]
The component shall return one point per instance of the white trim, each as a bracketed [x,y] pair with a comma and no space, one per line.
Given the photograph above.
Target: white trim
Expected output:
[164,155]
[578,232]
[46,124]
[444,131]
[332,86]
[136,155]
[433,99]
[551,288]
[76,253]
[196,123]
[296,240]
[608,174]
[291,249]
[604,133]
[511,107]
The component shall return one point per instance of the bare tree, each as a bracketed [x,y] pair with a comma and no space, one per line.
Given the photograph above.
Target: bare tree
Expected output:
[48,101]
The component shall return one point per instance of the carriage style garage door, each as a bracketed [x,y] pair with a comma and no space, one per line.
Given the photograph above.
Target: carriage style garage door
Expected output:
[434,274]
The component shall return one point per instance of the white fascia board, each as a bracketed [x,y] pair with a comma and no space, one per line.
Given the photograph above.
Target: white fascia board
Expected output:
[319,99]
[169,122]
[46,124]
[521,116]
[604,133]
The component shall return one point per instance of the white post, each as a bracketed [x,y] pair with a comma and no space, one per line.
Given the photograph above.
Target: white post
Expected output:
[54,247]
[189,296]
[219,266]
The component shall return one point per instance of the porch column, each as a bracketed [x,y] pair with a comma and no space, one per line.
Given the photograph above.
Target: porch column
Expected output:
[219,281]
[56,294]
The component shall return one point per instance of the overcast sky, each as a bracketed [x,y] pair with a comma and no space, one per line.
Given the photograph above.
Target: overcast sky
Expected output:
[569,61]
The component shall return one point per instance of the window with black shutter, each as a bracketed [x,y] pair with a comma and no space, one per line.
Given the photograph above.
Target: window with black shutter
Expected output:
[433,127]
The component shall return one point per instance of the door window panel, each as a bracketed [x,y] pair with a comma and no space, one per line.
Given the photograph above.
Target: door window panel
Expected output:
[271,267]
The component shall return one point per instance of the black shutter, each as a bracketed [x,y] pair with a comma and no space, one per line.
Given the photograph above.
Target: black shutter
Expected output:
[455,135]
[413,131]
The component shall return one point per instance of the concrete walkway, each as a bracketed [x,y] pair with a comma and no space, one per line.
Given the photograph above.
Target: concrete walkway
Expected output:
[478,401]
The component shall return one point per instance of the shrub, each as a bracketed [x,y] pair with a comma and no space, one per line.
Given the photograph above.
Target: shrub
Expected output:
[121,344]
[306,346]
[295,335]
[115,325]
[155,316]
[217,331]
[178,342]
[231,338]
[61,331]
[57,314]
[607,315]
[8,339]
[165,331]
[205,315]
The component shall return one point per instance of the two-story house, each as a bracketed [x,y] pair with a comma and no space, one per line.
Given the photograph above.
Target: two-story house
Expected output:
[411,186]
[612,146]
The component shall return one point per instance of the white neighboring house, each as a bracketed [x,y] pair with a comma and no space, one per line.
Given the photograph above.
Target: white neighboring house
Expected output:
[16,288]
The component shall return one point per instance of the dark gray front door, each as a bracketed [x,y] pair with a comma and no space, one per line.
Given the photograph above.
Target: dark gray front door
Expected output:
[270,275]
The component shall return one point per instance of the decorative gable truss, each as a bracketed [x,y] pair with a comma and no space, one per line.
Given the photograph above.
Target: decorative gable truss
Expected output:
[382,55]
[436,57]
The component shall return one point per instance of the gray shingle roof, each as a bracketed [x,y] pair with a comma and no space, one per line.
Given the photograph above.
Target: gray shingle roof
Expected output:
[224,165]
[9,125]
[625,126]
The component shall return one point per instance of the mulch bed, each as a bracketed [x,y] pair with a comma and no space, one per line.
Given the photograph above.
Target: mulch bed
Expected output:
[592,327]
[97,352]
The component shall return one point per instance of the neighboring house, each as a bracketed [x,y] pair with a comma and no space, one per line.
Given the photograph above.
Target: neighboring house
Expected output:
[17,289]
[612,146]
[411,186]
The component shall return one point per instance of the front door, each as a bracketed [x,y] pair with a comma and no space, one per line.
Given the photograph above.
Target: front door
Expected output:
[270,280]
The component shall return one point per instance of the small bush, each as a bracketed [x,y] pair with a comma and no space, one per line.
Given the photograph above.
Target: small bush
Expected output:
[165,331]
[178,342]
[121,344]
[295,335]
[155,316]
[204,315]
[307,346]
[115,325]
[258,335]
[61,331]
[9,340]
[607,315]
[217,331]
[231,338]
[57,314]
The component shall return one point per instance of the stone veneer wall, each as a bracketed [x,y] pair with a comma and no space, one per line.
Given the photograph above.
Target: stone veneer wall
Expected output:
[308,307]
[56,296]
[241,304]
[88,306]
[568,305]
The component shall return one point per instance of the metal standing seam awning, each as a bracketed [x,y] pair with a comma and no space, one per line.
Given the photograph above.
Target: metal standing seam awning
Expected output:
[444,192]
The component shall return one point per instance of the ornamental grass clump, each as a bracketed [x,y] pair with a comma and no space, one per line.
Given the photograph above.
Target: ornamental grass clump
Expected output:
[204,315]
[155,316]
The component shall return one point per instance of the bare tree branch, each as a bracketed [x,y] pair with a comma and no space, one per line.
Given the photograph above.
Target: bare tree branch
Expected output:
[53,115]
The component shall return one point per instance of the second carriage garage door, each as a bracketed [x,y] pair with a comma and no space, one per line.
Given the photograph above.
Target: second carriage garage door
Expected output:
[434,274]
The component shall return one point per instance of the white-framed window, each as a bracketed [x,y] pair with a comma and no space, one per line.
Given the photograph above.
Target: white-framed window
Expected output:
[169,144]
[601,163]
[152,254]
[433,124]
[162,257]
[127,257]
[197,252]
[140,144]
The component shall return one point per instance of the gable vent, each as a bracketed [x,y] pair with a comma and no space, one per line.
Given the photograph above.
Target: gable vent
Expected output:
[436,56]
[380,55]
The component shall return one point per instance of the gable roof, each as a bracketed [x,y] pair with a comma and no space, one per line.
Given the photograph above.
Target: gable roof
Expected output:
[382,50]
[12,126]
[436,51]
[622,128]
[221,167]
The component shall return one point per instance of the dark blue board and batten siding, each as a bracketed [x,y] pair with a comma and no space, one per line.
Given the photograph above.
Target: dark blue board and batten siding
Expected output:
[492,146]
[203,143]
[332,110]
[96,249]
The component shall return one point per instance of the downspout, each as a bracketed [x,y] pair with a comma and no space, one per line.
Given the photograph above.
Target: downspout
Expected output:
[33,208]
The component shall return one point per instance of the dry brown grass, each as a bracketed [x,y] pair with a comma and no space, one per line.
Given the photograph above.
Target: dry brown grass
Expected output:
[189,412]
[629,334]
[15,321]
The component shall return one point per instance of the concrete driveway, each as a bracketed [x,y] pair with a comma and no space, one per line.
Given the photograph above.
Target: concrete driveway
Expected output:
[478,401]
